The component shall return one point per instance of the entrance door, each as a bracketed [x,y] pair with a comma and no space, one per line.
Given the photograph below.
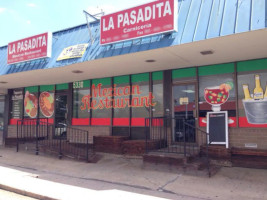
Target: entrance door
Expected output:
[184,107]
[61,113]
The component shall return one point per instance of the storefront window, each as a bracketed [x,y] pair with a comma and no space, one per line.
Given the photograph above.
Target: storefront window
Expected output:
[121,109]
[31,102]
[81,97]
[157,88]
[252,94]
[16,106]
[217,92]
[2,108]
[141,99]
[47,102]
[101,104]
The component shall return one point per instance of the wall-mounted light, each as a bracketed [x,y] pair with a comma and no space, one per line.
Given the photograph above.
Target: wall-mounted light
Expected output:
[208,52]
[3,82]
[77,71]
[150,61]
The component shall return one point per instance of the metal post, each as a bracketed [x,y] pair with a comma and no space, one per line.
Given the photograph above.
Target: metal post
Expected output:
[184,138]
[87,147]
[37,148]
[146,133]
[208,163]
[60,150]
[47,128]
[166,133]
[17,135]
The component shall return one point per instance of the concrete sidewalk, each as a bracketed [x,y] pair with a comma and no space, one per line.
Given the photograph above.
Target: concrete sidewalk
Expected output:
[119,177]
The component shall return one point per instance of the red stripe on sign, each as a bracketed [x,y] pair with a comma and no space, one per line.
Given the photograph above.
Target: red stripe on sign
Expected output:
[138,122]
[232,121]
[13,121]
[100,121]
[157,122]
[243,122]
[50,120]
[121,122]
[203,121]
[80,121]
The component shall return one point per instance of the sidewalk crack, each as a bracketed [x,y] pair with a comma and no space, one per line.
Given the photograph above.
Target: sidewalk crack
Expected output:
[161,188]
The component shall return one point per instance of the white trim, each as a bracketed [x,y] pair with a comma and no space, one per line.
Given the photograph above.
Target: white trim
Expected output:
[49,45]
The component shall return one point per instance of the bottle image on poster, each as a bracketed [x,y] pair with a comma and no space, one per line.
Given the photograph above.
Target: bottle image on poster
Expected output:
[255,104]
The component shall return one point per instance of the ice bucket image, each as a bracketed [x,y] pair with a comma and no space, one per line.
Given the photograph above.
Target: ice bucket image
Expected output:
[256,111]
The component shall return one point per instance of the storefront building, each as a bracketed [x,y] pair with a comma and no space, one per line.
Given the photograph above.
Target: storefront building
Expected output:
[215,59]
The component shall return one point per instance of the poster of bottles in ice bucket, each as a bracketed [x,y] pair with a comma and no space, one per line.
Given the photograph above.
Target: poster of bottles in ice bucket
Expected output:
[254,100]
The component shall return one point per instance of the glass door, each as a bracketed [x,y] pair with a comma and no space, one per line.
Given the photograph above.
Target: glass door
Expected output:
[184,107]
[61,113]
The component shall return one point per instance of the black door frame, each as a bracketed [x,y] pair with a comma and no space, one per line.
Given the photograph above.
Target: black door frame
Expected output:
[61,93]
[195,114]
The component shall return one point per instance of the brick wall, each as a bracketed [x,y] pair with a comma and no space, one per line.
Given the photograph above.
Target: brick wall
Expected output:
[1,137]
[109,144]
[95,131]
[238,137]
[12,131]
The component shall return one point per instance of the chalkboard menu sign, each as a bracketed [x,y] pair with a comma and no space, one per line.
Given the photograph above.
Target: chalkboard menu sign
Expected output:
[17,104]
[217,127]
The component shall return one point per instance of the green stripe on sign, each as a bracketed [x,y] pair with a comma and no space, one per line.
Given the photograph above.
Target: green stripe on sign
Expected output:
[121,79]
[140,77]
[252,65]
[86,83]
[81,84]
[31,89]
[184,73]
[156,76]
[104,81]
[47,88]
[63,86]
[216,69]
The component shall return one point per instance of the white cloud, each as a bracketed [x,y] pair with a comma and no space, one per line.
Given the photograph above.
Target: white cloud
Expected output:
[2,10]
[28,22]
[31,5]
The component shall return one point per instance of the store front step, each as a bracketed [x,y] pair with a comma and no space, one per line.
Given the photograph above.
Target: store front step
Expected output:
[193,165]
[123,145]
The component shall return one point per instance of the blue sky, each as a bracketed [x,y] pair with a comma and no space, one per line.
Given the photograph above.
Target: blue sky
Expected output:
[25,18]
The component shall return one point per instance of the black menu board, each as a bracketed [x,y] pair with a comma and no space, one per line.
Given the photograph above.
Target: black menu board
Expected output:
[17,104]
[217,127]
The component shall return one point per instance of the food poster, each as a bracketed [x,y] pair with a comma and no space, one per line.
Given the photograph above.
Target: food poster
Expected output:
[217,93]
[45,102]
[30,104]
[252,99]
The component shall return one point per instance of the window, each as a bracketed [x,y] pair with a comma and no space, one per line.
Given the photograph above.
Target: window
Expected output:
[141,99]
[31,102]
[252,94]
[217,91]
[101,104]
[157,88]
[81,103]
[121,109]
[16,111]
[2,108]
[47,102]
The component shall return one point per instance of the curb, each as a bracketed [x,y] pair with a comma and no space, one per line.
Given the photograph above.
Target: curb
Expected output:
[25,193]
